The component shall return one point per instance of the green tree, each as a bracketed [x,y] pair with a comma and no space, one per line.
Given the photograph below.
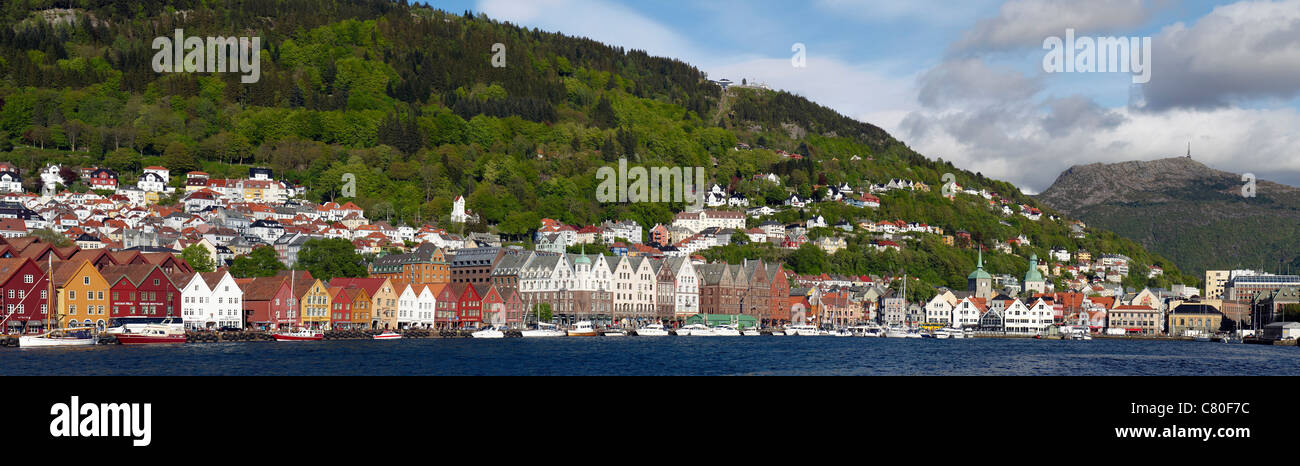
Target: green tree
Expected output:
[262,262]
[331,257]
[197,256]
[53,237]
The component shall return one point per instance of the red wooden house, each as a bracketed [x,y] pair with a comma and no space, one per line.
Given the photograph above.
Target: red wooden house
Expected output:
[447,305]
[24,288]
[269,302]
[141,290]
[501,305]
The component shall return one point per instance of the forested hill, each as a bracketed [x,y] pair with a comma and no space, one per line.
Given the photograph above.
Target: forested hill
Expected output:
[407,98]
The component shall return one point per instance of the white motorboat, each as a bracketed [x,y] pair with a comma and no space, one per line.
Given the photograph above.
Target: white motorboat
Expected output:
[614,333]
[949,332]
[387,335]
[801,330]
[696,330]
[843,332]
[726,331]
[583,329]
[866,331]
[652,330]
[896,332]
[543,330]
[751,332]
[490,332]
[778,333]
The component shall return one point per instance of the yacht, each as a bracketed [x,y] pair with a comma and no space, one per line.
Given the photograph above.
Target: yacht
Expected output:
[490,332]
[153,334]
[583,329]
[299,335]
[896,332]
[652,330]
[726,331]
[801,330]
[543,330]
[866,331]
[695,330]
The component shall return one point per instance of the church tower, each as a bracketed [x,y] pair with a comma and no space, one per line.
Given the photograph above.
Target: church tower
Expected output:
[980,281]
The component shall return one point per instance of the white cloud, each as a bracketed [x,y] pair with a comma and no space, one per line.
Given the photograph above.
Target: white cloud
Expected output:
[1025,23]
[1240,51]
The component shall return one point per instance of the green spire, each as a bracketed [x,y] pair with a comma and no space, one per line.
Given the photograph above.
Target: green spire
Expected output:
[979,273]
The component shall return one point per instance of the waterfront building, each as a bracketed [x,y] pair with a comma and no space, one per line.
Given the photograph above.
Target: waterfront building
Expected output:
[211,300]
[142,290]
[80,293]
[1135,319]
[1194,319]
[383,295]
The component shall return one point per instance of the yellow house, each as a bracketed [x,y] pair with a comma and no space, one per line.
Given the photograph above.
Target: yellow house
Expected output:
[361,308]
[316,306]
[81,295]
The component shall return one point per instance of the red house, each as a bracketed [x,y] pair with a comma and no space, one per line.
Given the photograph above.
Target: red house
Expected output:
[460,305]
[24,288]
[447,305]
[141,290]
[103,178]
[502,305]
[269,301]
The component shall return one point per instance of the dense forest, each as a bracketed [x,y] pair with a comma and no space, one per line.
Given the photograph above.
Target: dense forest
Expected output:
[408,99]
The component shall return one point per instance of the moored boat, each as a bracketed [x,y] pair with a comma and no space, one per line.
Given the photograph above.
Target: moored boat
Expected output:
[490,332]
[543,330]
[153,334]
[387,335]
[614,333]
[583,329]
[652,330]
[751,332]
[801,330]
[726,331]
[299,335]
[695,330]
[57,338]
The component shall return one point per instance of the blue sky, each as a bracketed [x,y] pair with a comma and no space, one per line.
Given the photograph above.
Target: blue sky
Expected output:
[963,80]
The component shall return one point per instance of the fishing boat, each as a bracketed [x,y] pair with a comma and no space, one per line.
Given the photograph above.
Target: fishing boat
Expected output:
[543,330]
[301,334]
[490,332]
[583,329]
[652,330]
[153,334]
[387,335]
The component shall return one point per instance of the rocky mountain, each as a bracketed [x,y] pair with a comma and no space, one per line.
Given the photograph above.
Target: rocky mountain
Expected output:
[1183,210]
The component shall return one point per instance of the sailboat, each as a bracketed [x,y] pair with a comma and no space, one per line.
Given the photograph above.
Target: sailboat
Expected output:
[77,336]
[302,334]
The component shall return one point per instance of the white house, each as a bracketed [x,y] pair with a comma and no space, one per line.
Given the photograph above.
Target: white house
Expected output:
[939,310]
[212,300]
[966,313]
[458,214]
[154,179]
[1028,319]
[10,182]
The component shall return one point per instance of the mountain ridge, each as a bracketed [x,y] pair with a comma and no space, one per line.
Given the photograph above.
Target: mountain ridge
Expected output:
[1184,210]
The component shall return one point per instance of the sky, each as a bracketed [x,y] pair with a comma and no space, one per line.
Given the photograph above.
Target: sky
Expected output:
[965,80]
